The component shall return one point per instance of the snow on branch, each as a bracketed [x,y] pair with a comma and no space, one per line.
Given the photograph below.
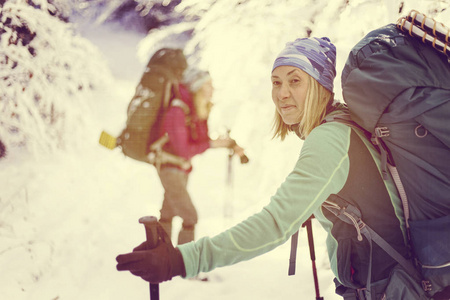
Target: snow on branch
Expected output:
[47,73]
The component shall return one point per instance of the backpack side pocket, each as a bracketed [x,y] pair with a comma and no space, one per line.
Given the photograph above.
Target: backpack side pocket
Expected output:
[402,286]
[432,250]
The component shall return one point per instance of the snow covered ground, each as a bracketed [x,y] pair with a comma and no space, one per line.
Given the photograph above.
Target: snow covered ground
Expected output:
[64,217]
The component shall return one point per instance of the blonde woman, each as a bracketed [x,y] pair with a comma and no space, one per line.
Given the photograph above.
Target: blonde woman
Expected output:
[185,123]
[201,87]
[336,163]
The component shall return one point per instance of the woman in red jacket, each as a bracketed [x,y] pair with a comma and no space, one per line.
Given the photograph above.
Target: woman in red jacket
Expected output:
[185,123]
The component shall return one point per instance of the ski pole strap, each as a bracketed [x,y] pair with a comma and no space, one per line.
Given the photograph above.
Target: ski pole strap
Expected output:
[293,256]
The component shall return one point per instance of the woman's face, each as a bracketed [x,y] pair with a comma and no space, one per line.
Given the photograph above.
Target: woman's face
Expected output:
[202,100]
[207,89]
[289,88]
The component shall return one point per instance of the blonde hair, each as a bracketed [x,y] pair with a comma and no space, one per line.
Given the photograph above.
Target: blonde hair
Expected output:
[313,113]
[202,105]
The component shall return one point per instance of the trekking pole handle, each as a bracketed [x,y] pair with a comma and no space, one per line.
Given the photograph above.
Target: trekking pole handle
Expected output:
[151,232]
[236,149]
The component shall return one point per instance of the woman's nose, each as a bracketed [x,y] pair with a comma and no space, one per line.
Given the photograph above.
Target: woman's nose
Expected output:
[283,92]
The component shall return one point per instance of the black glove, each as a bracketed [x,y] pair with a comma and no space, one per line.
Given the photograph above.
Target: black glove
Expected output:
[153,265]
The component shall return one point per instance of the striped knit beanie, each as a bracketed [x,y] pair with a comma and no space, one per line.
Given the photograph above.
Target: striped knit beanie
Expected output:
[315,56]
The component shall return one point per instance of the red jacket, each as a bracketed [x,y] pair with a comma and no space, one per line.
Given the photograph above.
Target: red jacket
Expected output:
[185,140]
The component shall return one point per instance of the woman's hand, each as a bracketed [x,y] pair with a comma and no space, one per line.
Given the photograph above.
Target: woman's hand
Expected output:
[225,142]
[232,145]
[153,265]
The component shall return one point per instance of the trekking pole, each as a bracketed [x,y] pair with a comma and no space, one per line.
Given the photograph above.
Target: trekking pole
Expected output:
[235,149]
[228,205]
[151,233]
[312,253]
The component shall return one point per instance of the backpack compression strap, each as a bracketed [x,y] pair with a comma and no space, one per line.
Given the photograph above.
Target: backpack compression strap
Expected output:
[351,215]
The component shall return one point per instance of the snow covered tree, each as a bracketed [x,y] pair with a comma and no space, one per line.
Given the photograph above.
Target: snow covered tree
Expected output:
[138,15]
[46,72]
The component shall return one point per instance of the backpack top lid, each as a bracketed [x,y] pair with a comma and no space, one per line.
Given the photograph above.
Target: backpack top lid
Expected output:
[171,58]
[382,65]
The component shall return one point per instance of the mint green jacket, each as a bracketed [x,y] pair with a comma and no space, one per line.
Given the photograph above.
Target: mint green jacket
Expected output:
[321,170]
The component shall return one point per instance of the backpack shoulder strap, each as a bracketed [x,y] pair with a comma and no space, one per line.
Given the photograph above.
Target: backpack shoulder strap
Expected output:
[179,103]
[187,112]
[345,118]
[166,77]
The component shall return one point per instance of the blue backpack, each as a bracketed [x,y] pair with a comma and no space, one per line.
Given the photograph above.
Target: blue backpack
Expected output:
[396,83]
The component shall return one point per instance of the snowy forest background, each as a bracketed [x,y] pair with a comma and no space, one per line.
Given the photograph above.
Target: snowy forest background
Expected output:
[68,69]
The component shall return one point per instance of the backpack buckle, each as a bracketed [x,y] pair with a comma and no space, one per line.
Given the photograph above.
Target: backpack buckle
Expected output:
[426,285]
[381,132]
[361,224]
